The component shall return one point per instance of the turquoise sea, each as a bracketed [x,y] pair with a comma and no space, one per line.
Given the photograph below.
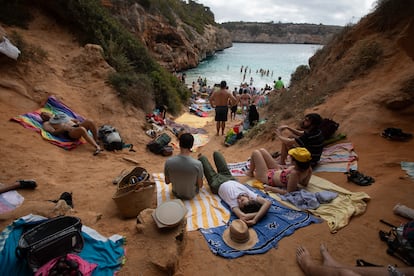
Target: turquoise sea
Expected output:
[280,59]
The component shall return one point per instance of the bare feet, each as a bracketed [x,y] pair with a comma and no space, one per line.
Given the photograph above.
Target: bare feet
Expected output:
[328,260]
[304,259]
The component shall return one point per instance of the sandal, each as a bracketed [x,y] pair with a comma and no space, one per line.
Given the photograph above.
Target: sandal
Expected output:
[361,262]
[96,152]
[358,178]
[27,184]
[396,134]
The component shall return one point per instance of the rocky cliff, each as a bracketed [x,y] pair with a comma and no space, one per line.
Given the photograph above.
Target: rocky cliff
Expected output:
[255,32]
[174,47]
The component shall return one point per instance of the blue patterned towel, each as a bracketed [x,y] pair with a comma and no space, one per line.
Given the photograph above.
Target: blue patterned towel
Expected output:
[409,168]
[280,221]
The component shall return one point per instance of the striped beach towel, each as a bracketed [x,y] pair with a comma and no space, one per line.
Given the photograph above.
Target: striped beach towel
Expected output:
[338,158]
[205,210]
[33,121]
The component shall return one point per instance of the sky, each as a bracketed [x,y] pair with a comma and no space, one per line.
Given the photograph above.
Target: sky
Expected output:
[326,12]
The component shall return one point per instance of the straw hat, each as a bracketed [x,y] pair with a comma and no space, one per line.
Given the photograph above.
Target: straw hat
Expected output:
[169,213]
[239,236]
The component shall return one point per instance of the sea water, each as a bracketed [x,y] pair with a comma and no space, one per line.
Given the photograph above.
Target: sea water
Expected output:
[280,60]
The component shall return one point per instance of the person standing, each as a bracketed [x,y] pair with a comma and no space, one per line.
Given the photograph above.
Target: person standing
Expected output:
[279,85]
[183,171]
[220,100]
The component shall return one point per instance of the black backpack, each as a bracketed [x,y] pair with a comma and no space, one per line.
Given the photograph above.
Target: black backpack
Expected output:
[111,139]
[159,143]
[328,128]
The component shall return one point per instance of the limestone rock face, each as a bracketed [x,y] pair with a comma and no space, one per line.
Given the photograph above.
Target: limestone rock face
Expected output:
[174,47]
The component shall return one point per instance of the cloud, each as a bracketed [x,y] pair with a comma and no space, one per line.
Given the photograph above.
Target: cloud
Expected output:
[327,12]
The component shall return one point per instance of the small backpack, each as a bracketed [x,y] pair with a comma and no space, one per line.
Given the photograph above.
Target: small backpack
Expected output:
[111,138]
[328,128]
[159,143]
[400,241]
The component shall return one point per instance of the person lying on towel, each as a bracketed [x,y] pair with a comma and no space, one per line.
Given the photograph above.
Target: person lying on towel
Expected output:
[281,179]
[62,125]
[245,204]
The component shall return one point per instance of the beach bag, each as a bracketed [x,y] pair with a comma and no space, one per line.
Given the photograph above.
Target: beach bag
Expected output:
[134,193]
[328,128]
[50,239]
[157,145]
[400,241]
[111,139]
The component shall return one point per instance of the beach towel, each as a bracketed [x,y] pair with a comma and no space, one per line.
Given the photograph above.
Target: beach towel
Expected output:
[9,201]
[107,253]
[205,210]
[337,158]
[408,167]
[176,127]
[280,221]
[339,211]
[199,141]
[194,121]
[33,121]
[239,168]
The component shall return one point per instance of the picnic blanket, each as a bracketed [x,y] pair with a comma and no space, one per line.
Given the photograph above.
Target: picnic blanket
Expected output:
[339,211]
[33,121]
[107,253]
[337,158]
[280,221]
[205,210]
[10,200]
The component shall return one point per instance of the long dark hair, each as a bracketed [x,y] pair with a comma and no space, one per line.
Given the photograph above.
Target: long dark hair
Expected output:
[302,166]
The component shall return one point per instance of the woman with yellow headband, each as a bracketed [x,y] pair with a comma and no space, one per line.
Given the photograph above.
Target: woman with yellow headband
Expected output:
[281,179]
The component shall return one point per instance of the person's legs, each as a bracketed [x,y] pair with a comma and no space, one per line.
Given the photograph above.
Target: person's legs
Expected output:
[310,268]
[221,165]
[223,126]
[217,128]
[78,132]
[209,173]
[89,125]
[270,161]
[283,154]
[258,164]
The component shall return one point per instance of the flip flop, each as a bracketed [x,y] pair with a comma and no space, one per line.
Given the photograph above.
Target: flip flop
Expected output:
[27,184]
[97,152]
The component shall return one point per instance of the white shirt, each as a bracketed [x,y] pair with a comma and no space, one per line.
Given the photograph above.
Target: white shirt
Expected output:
[230,190]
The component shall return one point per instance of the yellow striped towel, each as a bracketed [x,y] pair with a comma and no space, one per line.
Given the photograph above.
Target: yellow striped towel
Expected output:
[204,210]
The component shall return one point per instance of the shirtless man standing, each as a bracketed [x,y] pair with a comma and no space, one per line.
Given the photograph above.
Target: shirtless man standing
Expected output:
[63,125]
[220,100]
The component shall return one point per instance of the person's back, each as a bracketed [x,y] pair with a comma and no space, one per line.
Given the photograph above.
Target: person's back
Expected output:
[312,139]
[183,171]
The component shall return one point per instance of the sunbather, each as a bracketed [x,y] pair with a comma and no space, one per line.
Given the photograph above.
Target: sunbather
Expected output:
[246,205]
[331,266]
[64,126]
[277,178]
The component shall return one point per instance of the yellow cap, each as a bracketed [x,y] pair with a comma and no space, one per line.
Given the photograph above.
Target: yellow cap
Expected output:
[300,154]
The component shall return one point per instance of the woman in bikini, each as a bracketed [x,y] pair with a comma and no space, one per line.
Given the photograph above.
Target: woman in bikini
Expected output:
[281,179]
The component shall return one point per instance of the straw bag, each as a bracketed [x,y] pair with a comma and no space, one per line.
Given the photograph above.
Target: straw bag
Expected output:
[134,193]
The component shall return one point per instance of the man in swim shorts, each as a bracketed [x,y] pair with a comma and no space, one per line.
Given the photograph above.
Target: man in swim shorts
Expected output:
[220,100]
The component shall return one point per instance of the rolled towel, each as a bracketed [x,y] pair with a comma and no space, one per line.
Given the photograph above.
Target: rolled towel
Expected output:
[404,211]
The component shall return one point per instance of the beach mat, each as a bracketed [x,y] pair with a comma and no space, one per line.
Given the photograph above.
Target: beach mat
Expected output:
[339,211]
[107,253]
[33,121]
[205,210]
[337,158]
[280,221]
[10,200]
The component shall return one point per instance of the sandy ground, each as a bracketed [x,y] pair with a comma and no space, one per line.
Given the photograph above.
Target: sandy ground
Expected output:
[24,155]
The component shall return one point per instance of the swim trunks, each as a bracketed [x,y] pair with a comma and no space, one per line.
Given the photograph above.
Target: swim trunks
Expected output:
[221,113]
[234,108]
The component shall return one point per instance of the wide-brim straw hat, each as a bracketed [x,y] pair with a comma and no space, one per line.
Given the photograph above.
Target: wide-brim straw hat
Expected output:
[239,236]
[169,213]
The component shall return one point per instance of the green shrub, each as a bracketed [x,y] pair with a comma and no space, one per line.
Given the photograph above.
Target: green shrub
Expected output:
[27,52]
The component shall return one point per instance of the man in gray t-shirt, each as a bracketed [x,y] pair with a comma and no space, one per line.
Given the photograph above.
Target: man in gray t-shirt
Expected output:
[183,171]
